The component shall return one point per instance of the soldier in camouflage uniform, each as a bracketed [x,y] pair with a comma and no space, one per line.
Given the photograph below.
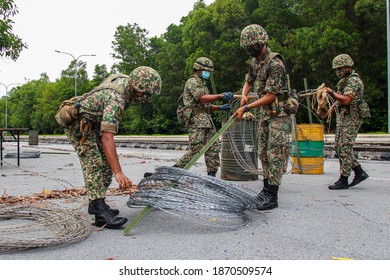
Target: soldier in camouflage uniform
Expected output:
[201,127]
[268,71]
[92,135]
[352,109]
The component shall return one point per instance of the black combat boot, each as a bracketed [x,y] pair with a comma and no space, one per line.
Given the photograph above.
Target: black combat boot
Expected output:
[342,183]
[93,210]
[264,191]
[360,175]
[271,199]
[105,217]
[211,173]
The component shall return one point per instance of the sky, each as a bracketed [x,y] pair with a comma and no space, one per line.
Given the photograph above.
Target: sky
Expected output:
[79,27]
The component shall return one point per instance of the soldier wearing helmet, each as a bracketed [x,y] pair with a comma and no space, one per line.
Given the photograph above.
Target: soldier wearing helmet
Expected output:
[99,113]
[267,69]
[351,109]
[200,124]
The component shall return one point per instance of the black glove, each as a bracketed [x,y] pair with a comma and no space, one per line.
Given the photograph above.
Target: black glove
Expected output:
[227,96]
[225,107]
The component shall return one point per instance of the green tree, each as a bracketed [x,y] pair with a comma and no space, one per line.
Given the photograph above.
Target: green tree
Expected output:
[23,101]
[166,54]
[10,44]
[68,79]
[229,18]
[308,33]
[100,73]
[45,109]
[198,29]
[130,47]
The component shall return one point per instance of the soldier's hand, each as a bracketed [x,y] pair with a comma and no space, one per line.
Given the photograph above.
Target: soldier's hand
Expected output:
[225,107]
[227,96]
[239,113]
[123,181]
[244,100]
[330,91]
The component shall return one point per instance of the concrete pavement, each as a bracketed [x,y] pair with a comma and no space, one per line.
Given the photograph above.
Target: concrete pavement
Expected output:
[367,146]
[311,223]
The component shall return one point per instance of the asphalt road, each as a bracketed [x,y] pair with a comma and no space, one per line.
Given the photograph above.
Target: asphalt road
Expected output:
[311,223]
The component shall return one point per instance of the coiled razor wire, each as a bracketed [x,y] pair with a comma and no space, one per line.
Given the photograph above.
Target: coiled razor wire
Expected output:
[195,197]
[28,226]
[244,156]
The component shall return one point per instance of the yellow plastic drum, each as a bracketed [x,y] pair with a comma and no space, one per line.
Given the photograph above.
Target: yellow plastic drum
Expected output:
[308,149]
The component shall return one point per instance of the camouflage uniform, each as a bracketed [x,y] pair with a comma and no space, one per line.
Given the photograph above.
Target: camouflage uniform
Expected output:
[273,130]
[104,110]
[201,127]
[348,122]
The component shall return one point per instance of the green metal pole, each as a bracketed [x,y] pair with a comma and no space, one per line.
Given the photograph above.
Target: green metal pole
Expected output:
[388,64]
[295,131]
[308,102]
[214,88]
[148,208]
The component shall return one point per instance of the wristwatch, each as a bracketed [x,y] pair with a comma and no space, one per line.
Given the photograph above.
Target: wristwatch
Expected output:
[246,108]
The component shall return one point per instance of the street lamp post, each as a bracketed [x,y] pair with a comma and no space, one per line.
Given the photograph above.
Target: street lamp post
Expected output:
[6,101]
[75,65]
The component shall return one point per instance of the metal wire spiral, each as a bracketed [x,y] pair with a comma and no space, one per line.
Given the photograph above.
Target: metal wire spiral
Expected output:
[195,197]
[30,226]
[249,135]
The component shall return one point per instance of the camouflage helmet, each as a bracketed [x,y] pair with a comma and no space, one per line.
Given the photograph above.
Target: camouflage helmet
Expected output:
[253,34]
[204,63]
[342,60]
[145,79]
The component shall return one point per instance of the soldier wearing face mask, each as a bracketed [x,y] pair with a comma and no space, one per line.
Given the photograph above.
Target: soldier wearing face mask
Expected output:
[352,109]
[201,127]
[268,71]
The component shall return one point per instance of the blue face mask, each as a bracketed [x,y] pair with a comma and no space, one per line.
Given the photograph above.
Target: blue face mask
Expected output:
[205,75]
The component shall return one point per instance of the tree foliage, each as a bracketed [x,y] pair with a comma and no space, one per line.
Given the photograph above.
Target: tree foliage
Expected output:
[10,44]
[308,33]
[129,47]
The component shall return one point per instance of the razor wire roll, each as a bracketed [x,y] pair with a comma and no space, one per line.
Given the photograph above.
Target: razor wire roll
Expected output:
[29,226]
[195,197]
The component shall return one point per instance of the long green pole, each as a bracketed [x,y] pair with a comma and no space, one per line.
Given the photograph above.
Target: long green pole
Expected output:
[148,208]
[308,102]
[388,64]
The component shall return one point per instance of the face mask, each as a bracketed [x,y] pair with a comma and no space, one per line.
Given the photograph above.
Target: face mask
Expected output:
[141,97]
[254,51]
[341,73]
[205,75]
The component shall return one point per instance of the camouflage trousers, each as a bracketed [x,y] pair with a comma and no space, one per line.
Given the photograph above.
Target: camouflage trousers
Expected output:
[273,138]
[198,137]
[347,129]
[96,169]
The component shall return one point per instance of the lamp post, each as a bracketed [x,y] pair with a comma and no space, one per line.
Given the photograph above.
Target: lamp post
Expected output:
[6,101]
[75,65]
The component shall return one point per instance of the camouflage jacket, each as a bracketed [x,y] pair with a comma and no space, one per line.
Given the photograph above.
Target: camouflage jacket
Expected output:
[351,86]
[268,79]
[193,90]
[106,106]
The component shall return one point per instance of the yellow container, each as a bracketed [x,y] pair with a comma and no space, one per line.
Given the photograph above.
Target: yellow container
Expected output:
[310,132]
[311,160]
[309,165]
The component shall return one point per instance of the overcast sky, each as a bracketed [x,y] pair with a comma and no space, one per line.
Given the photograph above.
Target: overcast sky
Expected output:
[80,27]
